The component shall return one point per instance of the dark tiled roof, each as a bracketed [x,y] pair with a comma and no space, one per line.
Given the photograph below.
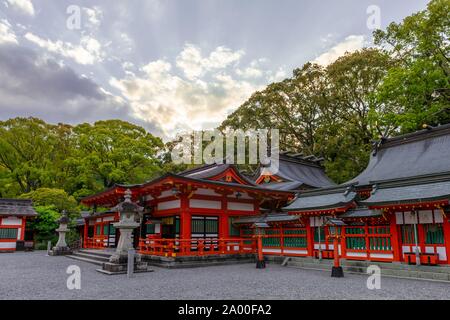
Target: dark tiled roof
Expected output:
[409,193]
[17,207]
[206,172]
[322,199]
[360,212]
[284,186]
[425,152]
[301,171]
[267,218]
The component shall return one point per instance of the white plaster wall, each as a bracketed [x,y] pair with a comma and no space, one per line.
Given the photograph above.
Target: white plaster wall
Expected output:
[167,193]
[442,253]
[12,221]
[438,218]
[382,255]
[426,216]
[410,218]
[169,204]
[7,245]
[296,251]
[241,206]
[206,192]
[206,204]
[399,217]
[357,254]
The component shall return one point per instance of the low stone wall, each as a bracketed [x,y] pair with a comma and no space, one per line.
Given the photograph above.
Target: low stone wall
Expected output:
[197,261]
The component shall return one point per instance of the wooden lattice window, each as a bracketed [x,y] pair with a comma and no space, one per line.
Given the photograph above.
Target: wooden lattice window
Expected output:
[434,233]
[204,226]
[234,232]
[8,233]
[150,229]
[319,234]
[408,235]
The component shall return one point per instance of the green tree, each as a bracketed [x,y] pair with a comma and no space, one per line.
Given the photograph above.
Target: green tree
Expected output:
[26,151]
[330,112]
[45,224]
[418,85]
[293,106]
[353,119]
[58,198]
[113,151]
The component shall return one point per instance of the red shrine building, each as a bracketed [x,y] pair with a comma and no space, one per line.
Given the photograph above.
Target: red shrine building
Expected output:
[14,234]
[196,204]
[398,205]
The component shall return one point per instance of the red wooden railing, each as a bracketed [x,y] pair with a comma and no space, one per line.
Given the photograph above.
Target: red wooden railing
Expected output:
[196,247]
[97,242]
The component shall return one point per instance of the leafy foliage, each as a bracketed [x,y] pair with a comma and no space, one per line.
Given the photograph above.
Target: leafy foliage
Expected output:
[337,111]
[418,86]
[45,224]
[57,198]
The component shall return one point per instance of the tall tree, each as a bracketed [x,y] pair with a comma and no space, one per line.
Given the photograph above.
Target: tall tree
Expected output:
[352,120]
[113,151]
[27,146]
[293,106]
[419,85]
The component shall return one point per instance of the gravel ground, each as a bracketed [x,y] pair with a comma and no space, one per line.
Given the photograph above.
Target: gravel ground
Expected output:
[36,276]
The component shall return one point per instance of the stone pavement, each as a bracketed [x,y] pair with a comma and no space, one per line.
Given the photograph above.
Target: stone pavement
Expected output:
[36,276]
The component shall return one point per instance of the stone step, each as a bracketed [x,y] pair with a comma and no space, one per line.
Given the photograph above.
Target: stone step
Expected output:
[100,253]
[91,256]
[400,266]
[382,265]
[404,272]
[96,262]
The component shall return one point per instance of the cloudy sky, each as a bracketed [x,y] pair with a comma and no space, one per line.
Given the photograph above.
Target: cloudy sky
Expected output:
[168,65]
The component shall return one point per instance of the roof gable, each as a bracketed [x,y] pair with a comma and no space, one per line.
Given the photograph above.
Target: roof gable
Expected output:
[17,207]
[218,172]
[426,152]
[297,170]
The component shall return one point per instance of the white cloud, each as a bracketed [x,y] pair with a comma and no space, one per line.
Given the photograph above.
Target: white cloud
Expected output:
[24,6]
[158,95]
[250,72]
[254,70]
[194,65]
[6,34]
[88,51]
[94,15]
[350,44]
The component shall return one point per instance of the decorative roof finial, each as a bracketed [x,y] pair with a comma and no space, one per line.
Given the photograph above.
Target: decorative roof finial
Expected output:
[127,196]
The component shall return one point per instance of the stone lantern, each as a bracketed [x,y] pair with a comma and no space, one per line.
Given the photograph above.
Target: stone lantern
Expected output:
[61,247]
[130,214]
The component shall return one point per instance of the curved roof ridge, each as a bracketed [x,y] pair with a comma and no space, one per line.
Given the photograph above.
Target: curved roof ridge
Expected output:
[426,152]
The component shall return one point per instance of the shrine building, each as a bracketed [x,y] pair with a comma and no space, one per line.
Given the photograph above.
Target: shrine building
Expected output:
[14,215]
[396,210]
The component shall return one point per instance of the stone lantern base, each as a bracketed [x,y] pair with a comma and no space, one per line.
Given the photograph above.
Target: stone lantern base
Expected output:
[60,251]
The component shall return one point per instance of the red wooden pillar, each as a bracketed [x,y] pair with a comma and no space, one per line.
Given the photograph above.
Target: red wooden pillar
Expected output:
[309,237]
[336,251]
[395,240]
[85,232]
[366,239]
[185,218]
[446,227]
[224,231]
[281,233]
[343,243]
[22,234]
